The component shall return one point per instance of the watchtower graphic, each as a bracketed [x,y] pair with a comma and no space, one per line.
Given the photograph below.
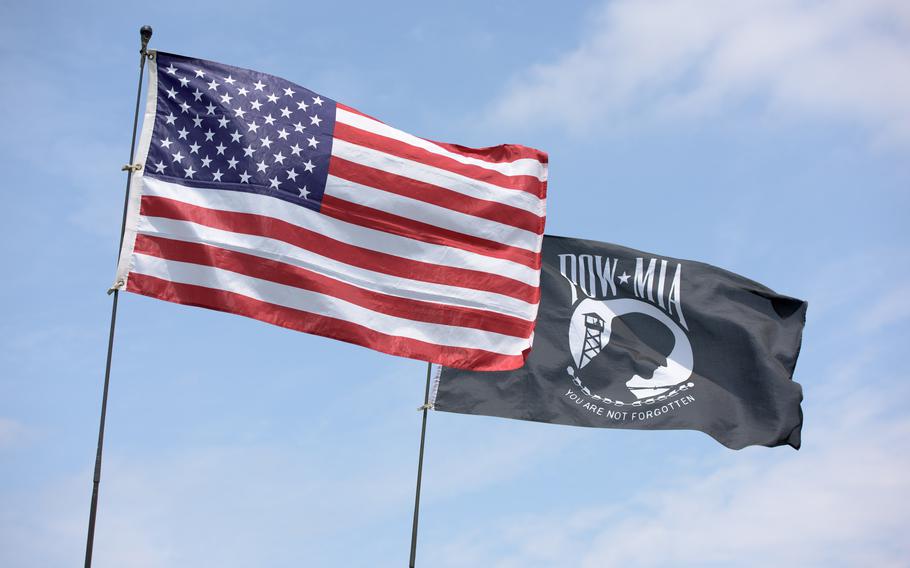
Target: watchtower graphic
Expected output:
[594,328]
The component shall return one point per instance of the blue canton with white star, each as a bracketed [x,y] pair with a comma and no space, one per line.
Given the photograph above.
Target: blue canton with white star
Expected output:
[223,127]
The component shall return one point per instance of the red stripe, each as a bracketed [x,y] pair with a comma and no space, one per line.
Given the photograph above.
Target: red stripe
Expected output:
[289,275]
[404,150]
[435,195]
[247,223]
[192,295]
[496,154]
[405,227]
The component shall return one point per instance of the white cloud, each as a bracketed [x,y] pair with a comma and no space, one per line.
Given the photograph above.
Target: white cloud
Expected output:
[676,58]
[839,502]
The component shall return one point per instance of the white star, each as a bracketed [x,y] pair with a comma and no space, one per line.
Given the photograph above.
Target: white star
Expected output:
[269,119]
[172,93]
[288,92]
[244,177]
[184,81]
[239,112]
[279,158]
[213,85]
[178,157]
[223,122]
[159,167]
[308,166]
[197,95]
[194,148]
[232,163]
[255,105]
[295,150]
[273,183]
[166,143]
[259,85]
[272,98]
[170,118]
[206,161]
[292,175]
[171,69]
[209,135]
[210,109]
[184,107]
[303,192]
[226,98]
[248,151]
[285,112]
[315,120]
[200,73]
[317,101]
[235,137]
[216,175]
[197,122]
[242,92]
[189,172]
[253,126]
[181,134]
[282,134]
[220,148]
[301,105]
[266,143]
[229,80]
[298,127]
[261,166]
[624,278]
[312,142]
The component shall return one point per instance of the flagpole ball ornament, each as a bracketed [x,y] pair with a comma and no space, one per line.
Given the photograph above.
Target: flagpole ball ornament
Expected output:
[145,32]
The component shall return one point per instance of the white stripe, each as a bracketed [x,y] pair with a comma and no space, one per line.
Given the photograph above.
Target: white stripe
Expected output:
[281,251]
[379,241]
[432,214]
[522,166]
[322,304]
[437,176]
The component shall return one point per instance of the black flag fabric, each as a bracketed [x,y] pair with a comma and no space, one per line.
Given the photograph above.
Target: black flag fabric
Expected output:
[629,339]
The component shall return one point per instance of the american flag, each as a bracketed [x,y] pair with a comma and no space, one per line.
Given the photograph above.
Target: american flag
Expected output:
[259,197]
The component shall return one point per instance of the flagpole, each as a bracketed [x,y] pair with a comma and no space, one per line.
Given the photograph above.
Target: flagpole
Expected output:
[145,34]
[423,435]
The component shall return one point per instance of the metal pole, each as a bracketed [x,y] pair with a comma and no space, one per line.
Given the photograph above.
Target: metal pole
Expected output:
[423,435]
[145,34]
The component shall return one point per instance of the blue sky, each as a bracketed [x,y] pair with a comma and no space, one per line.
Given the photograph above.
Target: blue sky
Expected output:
[766,137]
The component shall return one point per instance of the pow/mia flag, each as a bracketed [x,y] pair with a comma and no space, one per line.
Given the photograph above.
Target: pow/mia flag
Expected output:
[628,339]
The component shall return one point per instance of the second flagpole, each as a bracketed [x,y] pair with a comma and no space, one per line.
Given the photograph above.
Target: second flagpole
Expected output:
[423,435]
[145,34]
